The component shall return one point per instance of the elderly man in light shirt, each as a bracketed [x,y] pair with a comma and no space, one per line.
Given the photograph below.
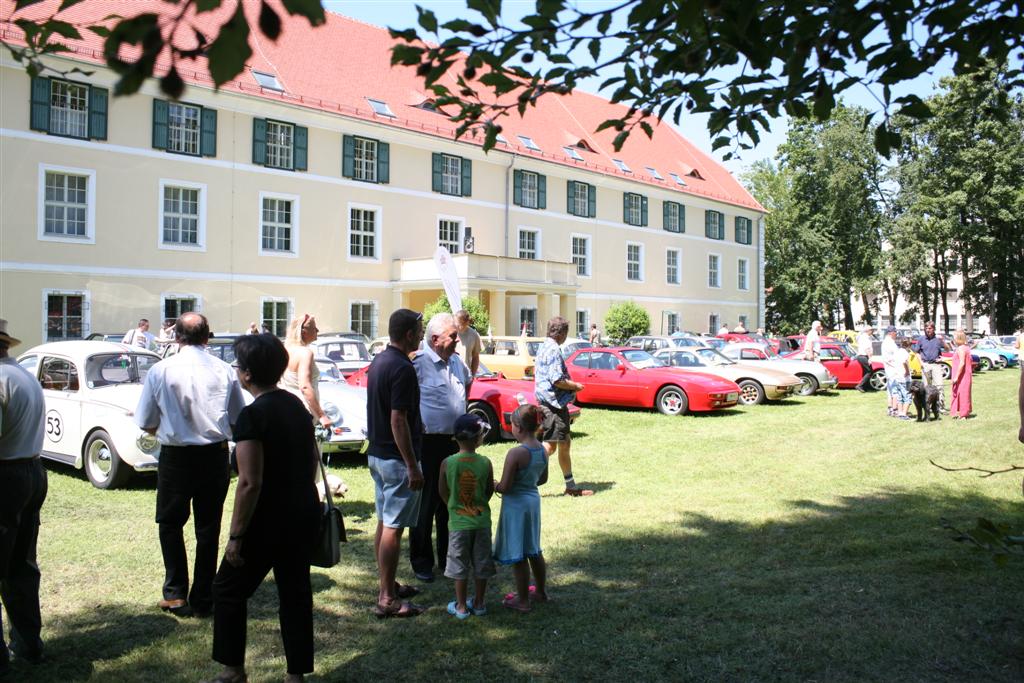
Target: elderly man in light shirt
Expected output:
[190,401]
[444,385]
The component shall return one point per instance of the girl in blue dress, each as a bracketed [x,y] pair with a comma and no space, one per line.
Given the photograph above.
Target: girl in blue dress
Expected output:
[517,541]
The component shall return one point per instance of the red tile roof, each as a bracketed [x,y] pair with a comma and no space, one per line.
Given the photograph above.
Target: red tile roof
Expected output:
[337,66]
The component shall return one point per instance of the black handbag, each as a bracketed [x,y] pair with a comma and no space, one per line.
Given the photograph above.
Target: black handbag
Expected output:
[327,551]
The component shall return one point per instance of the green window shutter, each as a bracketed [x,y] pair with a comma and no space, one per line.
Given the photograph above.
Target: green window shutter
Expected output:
[467,178]
[40,105]
[159,124]
[570,193]
[437,165]
[517,187]
[383,162]
[625,208]
[208,132]
[721,225]
[738,229]
[348,156]
[682,218]
[542,192]
[707,223]
[97,113]
[301,156]
[643,211]
[665,206]
[259,141]
[592,201]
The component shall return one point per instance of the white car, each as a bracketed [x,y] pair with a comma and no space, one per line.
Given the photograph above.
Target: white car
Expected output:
[346,406]
[349,354]
[91,390]
[814,375]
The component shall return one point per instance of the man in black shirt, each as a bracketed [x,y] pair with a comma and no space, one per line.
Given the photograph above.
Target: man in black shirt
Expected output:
[395,435]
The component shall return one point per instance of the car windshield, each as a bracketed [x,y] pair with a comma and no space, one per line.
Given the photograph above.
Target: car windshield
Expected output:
[642,359]
[769,352]
[328,371]
[484,371]
[712,357]
[687,341]
[533,347]
[117,368]
[847,350]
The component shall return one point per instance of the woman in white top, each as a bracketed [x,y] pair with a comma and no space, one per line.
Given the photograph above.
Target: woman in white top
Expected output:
[302,377]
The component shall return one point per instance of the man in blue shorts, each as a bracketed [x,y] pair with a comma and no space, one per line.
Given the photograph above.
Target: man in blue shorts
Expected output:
[395,436]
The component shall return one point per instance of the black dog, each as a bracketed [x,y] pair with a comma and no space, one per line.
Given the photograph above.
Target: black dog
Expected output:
[926,400]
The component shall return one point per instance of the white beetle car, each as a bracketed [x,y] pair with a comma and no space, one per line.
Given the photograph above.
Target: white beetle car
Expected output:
[346,406]
[91,390]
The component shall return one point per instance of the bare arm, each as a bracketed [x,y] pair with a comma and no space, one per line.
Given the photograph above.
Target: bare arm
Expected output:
[513,463]
[568,385]
[543,478]
[474,361]
[442,482]
[250,482]
[403,439]
[305,374]
[489,491]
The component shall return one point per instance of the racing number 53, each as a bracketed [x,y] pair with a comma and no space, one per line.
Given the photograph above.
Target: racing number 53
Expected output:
[54,426]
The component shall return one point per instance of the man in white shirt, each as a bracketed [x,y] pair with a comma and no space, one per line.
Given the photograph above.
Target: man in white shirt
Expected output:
[865,346]
[139,336]
[444,385]
[190,400]
[896,372]
[22,492]
[812,343]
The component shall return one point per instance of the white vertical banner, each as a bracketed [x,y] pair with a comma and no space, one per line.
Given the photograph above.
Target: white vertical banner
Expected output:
[449,278]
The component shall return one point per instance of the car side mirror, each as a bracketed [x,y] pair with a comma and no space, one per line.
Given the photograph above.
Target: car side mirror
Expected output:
[622,369]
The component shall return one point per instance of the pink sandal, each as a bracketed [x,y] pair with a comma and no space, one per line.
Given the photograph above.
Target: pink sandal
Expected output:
[512,603]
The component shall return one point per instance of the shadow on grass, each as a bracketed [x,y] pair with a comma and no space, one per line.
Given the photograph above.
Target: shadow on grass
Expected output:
[595,486]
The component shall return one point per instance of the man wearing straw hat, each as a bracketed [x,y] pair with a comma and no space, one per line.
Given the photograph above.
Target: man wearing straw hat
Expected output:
[22,492]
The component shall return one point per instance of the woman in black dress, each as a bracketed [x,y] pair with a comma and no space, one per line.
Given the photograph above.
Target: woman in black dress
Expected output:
[275,519]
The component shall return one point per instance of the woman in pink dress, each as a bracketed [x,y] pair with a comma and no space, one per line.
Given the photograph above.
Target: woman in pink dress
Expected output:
[960,405]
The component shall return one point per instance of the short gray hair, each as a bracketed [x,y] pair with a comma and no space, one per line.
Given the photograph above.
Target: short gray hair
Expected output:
[437,323]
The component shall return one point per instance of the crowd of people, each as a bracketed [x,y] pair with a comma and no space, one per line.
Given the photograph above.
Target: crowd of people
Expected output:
[422,457]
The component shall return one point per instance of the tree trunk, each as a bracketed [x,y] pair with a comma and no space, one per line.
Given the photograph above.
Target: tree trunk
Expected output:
[868,317]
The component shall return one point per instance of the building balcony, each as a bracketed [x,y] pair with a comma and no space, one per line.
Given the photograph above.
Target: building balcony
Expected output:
[482,271]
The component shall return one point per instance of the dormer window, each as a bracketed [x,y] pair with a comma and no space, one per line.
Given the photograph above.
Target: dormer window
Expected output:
[582,144]
[528,143]
[380,107]
[679,181]
[654,172]
[267,81]
[694,173]
[622,166]
[573,154]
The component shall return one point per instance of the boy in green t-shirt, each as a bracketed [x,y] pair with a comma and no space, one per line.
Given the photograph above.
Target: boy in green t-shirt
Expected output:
[466,483]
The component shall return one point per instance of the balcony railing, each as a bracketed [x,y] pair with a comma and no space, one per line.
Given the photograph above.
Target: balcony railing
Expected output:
[482,267]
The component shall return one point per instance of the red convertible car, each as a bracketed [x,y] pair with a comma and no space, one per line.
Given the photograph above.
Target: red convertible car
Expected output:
[634,378]
[491,396]
[841,361]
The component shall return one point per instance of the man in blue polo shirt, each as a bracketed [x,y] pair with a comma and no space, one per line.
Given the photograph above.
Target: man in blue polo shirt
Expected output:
[395,433]
[930,346]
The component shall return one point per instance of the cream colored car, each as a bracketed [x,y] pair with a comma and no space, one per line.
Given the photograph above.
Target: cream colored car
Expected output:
[757,383]
[511,356]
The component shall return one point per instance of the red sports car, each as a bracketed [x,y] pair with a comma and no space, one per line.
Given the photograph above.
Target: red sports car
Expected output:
[841,360]
[491,396]
[634,378]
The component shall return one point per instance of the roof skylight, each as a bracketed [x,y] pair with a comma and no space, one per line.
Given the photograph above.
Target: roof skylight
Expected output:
[622,166]
[381,107]
[268,81]
[501,138]
[528,143]
[679,181]
[654,172]
[573,154]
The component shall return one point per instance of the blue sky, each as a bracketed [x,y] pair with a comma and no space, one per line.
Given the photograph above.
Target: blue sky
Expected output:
[402,14]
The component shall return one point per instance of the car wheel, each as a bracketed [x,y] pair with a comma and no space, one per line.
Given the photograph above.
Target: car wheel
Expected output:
[103,466]
[751,393]
[877,380]
[671,400]
[986,364]
[1001,363]
[809,385]
[947,371]
[482,410]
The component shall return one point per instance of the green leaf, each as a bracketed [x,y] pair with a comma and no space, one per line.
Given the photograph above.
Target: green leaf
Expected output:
[62,28]
[426,19]
[207,5]
[22,4]
[490,9]
[269,22]
[68,3]
[101,31]
[311,9]
[230,50]
[595,48]
[604,22]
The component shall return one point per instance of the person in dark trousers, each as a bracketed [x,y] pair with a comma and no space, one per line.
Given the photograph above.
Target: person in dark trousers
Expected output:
[395,434]
[865,346]
[22,492]
[930,346]
[444,383]
[190,401]
[276,514]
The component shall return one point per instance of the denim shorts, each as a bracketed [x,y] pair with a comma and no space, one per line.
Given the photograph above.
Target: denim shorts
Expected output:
[898,390]
[398,506]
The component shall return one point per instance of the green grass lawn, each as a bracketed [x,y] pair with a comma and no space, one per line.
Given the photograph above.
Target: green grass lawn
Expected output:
[795,541]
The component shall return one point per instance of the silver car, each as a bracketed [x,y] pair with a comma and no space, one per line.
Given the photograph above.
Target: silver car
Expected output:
[814,375]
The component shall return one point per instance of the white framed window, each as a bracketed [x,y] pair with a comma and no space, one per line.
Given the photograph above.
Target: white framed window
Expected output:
[744,230]
[673,258]
[275,312]
[623,166]
[581,254]
[634,208]
[69,109]
[380,107]
[583,323]
[742,276]
[182,215]
[449,233]
[279,225]
[65,314]
[173,304]
[67,204]
[714,224]
[572,153]
[362,317]
[581,199]
[714,271]
[529,243]
[634,261]
[184,125]
[528,143]
[674,217]
[364,232]
[531,184]
[528,317]
[743,322]
[713,324]
[365,159]
[280,145]
[654,173]
[671,322]
[451,175]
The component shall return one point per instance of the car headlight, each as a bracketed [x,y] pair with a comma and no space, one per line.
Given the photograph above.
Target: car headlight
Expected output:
[333,413]
[147,443]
